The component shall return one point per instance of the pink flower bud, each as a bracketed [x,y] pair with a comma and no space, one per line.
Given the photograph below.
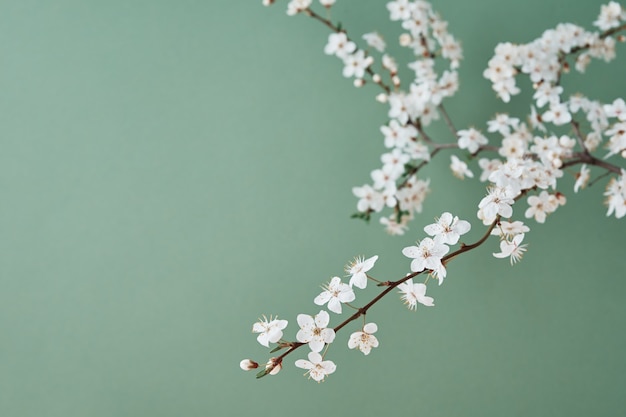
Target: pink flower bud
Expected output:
[248,364]
[273,367]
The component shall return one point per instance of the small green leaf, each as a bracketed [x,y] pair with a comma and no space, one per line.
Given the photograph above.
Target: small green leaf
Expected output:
[399,215]
[363,216]
[276,349]
[408,168]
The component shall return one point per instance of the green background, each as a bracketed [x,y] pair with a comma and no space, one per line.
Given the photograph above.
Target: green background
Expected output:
[171,170]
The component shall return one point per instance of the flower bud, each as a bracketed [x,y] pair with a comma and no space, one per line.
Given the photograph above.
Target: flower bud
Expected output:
[273,367]
[358,82]
[248,364]
[376,78]
[405,39]
[381,98]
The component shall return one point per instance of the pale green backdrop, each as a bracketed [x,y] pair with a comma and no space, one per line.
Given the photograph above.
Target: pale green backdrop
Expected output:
[171,170]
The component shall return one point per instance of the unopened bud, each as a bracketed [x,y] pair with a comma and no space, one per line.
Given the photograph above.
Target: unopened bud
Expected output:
[405,39]
[248,364]
[395,80]
[358,82]
[268,2]
[273,367]
[376,78]
[381,98]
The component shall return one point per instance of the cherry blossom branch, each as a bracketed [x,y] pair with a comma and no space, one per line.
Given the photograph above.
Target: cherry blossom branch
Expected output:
[587,158]
[529,162]
[603,35]
[576,49]
[448,121]
[338,29]
[390,285]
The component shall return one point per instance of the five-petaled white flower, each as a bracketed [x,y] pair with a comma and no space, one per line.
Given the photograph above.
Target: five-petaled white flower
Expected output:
[358,270]
[509,229]
[497,202]
[365,339]
[339,45]
[415,293]
[316,367]
[512,248]
[356,63]
[471,139]
[335,293]
[271,330]
[459,168]
[374,40]
[427,256]
[448,229]
[540,206]
[314,332]
[297,6]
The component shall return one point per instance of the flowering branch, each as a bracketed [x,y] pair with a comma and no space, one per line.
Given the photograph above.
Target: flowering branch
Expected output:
[337,29]
[362,311]
[527,164]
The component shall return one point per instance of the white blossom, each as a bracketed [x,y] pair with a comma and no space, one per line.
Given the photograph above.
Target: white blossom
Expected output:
[339,45]
[508,230]
[610,16]
[459,168]
[448,229]
[369,199]
[365,339]
[356,63]
[374,40]
[427,255]
[297,6]
[497,203]
[415,293]
[616,196]
[357,270]
[313,330]
[334,294]
[582,178]
[271,330]
[471,139]
[316,367]
[512,248]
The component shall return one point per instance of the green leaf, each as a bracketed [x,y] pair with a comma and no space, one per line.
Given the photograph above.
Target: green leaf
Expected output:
[277,348]
[363,216]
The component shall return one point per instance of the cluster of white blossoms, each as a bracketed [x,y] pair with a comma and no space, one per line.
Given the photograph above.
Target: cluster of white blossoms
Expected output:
[543,59]
[315,332]
[526,161]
